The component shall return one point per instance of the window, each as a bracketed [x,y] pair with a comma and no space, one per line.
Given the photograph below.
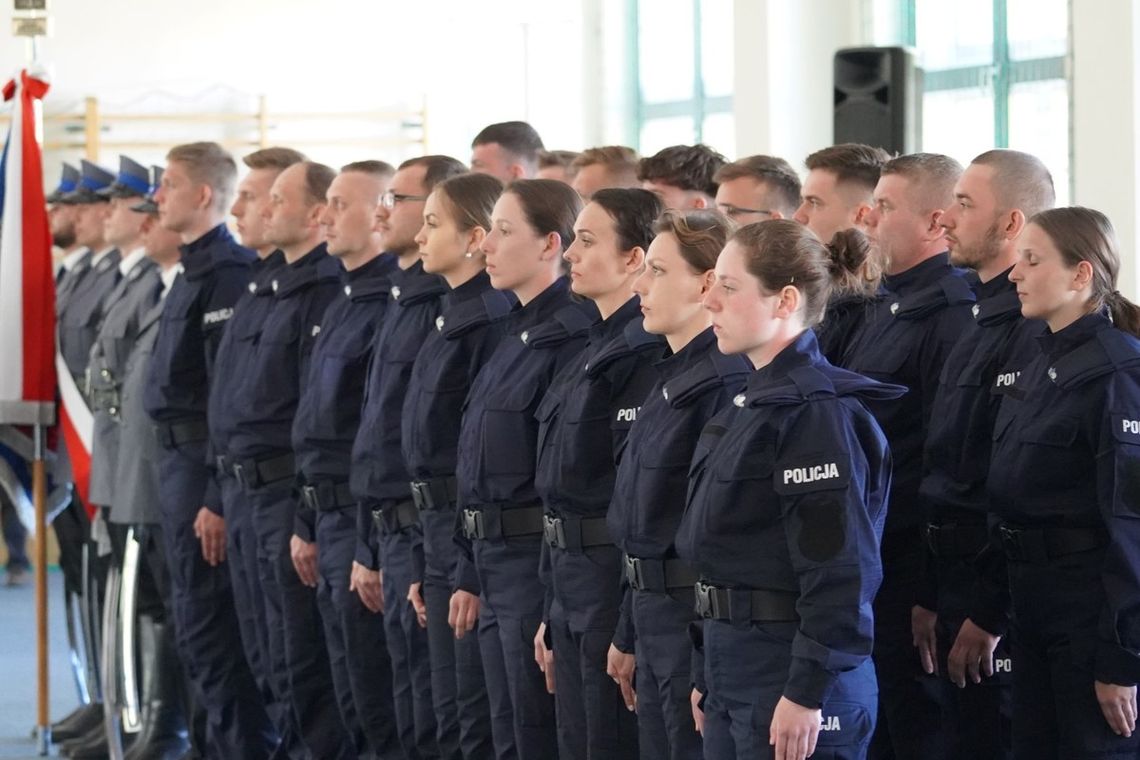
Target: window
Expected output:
[995,75]
[681,58]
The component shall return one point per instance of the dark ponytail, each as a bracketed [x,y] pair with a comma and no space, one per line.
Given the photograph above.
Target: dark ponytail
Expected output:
[780,252]
[854,271]
[1085,234]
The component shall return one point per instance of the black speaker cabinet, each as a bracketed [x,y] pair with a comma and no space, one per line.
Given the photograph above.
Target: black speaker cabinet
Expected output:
[878,98]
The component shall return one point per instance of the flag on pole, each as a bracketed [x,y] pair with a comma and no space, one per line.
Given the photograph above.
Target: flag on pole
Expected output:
[27,292]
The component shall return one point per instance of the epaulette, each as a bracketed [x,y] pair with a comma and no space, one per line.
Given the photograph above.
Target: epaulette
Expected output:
[715,370]
[1110,351]
[1001,308]
[951,290]
[413,290]
[633,339]
[569,322]
[810,383]
[474,313]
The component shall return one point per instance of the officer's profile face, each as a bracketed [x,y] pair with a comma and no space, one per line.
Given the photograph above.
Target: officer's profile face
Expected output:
[590,179]
[249,205]
[443,246]
[675,197]
[398,225]
[671,292]
[288,212]
[161,244]
[745,200]
[743,314]
[824,206]
[123,226]
[972,222]
[61,217]
[89,223]
[557,173]
[1046,285]
[494,159]
[179,197]
[515,251]
[894,226]
[349,216]
[597,262]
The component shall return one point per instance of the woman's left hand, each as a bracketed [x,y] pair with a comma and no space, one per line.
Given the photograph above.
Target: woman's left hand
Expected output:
[794,730]
[1118,703]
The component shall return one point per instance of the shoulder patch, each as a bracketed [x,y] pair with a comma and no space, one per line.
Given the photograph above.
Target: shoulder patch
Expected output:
[1126,427]
[216,316]
[823,473]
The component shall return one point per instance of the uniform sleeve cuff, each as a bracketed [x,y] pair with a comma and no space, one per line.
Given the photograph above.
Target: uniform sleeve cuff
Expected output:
[808,683]
[1117,665]
[304,525]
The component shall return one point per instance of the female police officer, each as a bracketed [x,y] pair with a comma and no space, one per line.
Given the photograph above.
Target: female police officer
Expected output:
[1064,480]
[649,495]
[786,505]
[531,227]
[583,420]
[469,326]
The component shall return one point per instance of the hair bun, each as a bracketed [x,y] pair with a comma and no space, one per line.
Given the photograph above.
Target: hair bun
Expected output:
[848,251]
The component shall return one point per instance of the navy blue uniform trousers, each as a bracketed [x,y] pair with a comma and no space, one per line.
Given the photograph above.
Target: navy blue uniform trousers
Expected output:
[206,625]
[662,680]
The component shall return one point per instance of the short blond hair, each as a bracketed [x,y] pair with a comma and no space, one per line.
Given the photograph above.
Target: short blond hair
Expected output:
[209,164]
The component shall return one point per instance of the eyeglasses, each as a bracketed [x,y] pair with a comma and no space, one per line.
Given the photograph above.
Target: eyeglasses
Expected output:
[389,199]
[734,211]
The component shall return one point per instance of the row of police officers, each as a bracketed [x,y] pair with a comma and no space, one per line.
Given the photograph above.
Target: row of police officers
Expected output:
[433,466]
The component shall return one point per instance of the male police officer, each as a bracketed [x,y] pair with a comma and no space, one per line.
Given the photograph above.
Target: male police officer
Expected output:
[378,479]
[682,176]
[136,503]
[906,340]
[508,150]
[260,452]
[602,167]
[192,200]
[230,369]
[838,192]
[756,188]
[960,617]
[323,431]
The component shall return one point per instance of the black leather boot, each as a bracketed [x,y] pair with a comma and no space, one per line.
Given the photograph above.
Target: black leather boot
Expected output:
[78,722]
[163,734]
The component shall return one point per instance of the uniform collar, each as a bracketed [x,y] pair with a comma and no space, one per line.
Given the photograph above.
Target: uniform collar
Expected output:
[218,234]
[542,307]
[918,276]
[168,276]
[97,258]
[75,258]
[1057,344]
[470,289]
[996,286]
[381,264]
[614,324]
[693,352]
[803,351]
[304,270]
[127,263]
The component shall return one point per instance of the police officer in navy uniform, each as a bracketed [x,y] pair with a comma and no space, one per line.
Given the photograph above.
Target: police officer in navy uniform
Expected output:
[230,368]
[501,522]
[192,200]
[998,191]
[1062,481]
[583,421]
[905,339]
[328,414]
[261,459]
[389,553]
[457,216]
[694,383]
[163,734]
[787,499]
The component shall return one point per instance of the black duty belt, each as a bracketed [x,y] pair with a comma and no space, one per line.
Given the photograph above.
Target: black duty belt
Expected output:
[327,496]
[497,522]
[742,605]
[659,576]
[396,517]
[171,435]
[267,471]
[434,494]
[955,540]
[1040,545]
[573,533]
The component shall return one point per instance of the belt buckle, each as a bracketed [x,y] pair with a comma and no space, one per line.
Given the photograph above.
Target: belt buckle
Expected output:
[633,573]
[309,498]
[419,494]
[473,526]
[552,531]
[705,605]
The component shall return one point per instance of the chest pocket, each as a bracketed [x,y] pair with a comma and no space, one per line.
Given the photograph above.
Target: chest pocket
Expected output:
[338,389]
[890,355]
[180,317]
[755,462]
[278,359]
[509,432]
[546,413]
[1126,464]
[1052,432]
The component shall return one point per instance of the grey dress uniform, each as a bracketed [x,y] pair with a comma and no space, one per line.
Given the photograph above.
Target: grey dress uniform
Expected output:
[83,311]
[69,279]
[136,500]
[125,307]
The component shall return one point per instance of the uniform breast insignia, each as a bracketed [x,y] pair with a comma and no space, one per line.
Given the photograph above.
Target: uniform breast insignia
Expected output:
[275,286]
[895,308]
[253,287]
[738,400]
[218,315]
[1052,374]
[439,323]
[348,290]
[665,393]
[525,336]
[134,274]
[395,291]
[976,310]
[316,330]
